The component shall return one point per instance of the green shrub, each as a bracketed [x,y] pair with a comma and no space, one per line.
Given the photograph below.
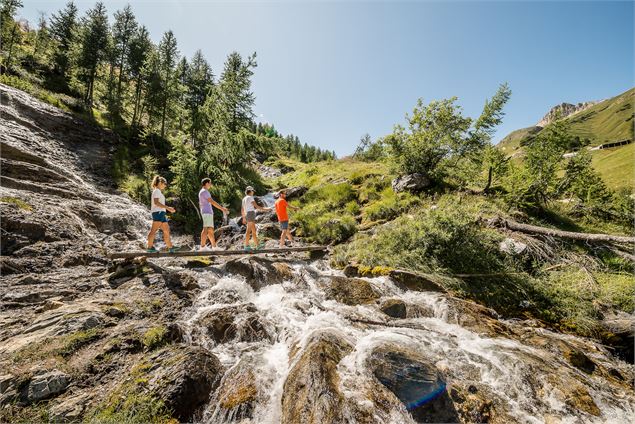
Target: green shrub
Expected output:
[155,337]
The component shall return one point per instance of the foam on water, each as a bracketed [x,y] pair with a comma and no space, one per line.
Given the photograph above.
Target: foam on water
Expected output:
[297,310]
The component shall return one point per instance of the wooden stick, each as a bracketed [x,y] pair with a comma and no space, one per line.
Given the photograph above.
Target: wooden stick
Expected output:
[534,229]
[124,255]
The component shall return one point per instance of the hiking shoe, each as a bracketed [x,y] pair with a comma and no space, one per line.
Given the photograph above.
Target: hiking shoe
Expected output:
[152,250]
[173,249]
[248,248]
[205,249]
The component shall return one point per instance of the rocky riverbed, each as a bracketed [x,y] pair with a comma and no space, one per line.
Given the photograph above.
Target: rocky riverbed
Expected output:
[277,338]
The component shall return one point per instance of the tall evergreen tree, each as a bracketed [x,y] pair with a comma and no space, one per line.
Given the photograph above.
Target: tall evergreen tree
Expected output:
[94,44]
[140,48]
[64,32]
[42,39]
[235,98]
[199,82]
[168,58]
[9,31]
[123,32]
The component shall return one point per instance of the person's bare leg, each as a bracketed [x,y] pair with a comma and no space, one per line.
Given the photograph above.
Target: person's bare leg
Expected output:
[254,233]
[289,235]
[204,237]
[247,234]
[153,230]
[282,235]
[210,236]
[166,234]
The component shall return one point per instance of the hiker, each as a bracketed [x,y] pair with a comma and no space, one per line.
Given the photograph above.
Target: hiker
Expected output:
[159,217]
[283,216]
[206,202]
[248,212]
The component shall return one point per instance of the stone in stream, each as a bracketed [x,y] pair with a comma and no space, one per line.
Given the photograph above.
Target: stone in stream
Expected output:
[415,381]
[411,281]
[183,377]
[237,394]
[240,322]
[350,291]
[311,392]
[395,308]
[260,272]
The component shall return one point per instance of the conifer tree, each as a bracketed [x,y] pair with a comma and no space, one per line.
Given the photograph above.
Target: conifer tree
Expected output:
[64,32]
[140,48]
[199,82]
[94,45]
[168,58]
[9,31]
[123,32]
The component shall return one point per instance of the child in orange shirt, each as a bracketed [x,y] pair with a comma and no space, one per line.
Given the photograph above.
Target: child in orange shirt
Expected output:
[283,216]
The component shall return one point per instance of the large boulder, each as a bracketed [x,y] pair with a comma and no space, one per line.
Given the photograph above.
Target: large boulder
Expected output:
[240,322]
[184,379]
[619,333]
[237,394]
[411,281]
[415,381]
[412,182]
[395,308]
[47,384]
[259,272]
[311,393]
[296,192]
[350,291]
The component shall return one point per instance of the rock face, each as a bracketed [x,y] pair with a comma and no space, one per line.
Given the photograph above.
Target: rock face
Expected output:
[563,110]
[413,281]
[184,379]
[240,322]
[395,308]
[260,272]
[350,291]
[415,381]
[311,393]
[412,182]
[48,384]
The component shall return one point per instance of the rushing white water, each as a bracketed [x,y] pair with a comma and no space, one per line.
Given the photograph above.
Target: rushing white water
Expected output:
[509,368]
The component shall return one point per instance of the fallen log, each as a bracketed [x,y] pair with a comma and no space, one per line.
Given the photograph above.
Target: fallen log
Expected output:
[123,255]
[534,229]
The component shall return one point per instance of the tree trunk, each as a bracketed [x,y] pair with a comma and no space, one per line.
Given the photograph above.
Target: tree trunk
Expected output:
[534,229]
[489,180]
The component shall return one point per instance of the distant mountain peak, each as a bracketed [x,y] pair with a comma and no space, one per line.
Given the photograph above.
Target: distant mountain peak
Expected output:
[563,110]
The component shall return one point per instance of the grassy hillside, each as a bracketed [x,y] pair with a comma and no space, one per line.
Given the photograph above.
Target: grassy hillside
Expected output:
[616,166]
[610,120]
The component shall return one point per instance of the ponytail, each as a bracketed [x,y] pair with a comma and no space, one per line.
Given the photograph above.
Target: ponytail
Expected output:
[156,180]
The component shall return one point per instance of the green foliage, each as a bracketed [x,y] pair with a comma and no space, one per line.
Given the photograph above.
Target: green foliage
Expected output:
[73,342]
[389,205]
[369,150]
[440,142]
[94,40]
[154,338]
[18,202]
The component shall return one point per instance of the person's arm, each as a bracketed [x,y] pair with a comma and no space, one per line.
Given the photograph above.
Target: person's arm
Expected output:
[260,208]
[161,205]
[217,205]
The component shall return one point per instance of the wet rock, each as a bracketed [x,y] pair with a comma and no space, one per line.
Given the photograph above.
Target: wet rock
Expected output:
[473,407]
[351,271]
[237,393]
[413,183]
[411,281]
[350,291]
[395,308]
[619,333]
[8,388]
[47,385]
[259,272]
[265,218]
[311,392]
[415,381]
[269,230]
[580,361]
[236,322]
[184,378]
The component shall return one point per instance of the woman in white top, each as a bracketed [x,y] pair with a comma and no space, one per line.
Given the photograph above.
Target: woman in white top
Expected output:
[159,217]
[248,211]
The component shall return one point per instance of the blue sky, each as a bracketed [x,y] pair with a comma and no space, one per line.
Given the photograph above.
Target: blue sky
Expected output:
[331,71]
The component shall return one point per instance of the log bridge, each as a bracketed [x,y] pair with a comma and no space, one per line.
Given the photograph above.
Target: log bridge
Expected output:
[124,255]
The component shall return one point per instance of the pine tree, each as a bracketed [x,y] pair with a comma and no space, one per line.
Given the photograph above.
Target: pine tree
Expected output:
[94,44]
[42,39]
[199,82]
[64,32]
[9,30]
[140,48]
[168,58]
[235,96]
[123,32]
